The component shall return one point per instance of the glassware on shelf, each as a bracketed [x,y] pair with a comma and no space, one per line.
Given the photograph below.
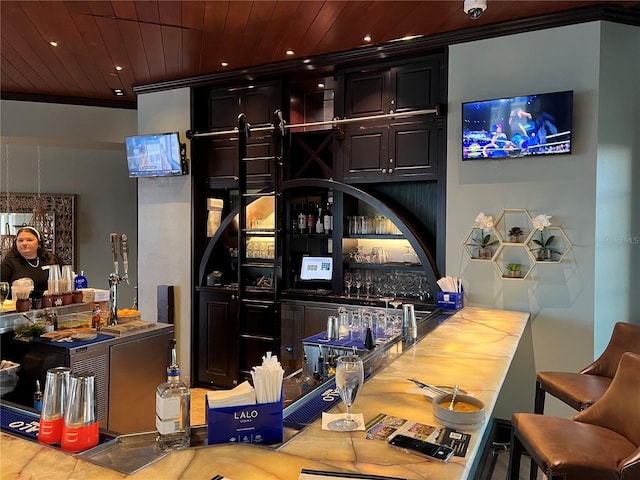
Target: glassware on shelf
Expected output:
[409,257]
[368,279]
[358,282]
[348,282]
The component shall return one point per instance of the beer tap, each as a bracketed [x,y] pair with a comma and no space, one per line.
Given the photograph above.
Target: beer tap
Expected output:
[114,277]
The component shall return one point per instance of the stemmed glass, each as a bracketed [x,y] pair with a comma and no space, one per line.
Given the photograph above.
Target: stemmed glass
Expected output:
[349,380]
[395,303]
[368,280]
[358,283]
[348,281]
[4,292]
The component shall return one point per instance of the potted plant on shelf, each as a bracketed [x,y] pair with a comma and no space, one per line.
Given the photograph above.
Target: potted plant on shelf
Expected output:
[484,242]
[514,234]
[545,252]
[513,270]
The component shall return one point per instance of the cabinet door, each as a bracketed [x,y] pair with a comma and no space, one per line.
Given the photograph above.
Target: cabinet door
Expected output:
[414,86]
[217,339]
[412,150]
[367,94]
[222,164]
[259,334]
[223,109]
[365,152]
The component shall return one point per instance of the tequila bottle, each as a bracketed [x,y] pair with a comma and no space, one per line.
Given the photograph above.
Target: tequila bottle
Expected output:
[173,404]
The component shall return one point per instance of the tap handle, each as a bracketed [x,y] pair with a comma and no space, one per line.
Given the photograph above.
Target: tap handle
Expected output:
[113,238]
[124,251]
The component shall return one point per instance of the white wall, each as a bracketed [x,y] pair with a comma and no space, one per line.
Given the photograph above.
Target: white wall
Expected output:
[82,153]
[617,252]
[164,220]
[560,297]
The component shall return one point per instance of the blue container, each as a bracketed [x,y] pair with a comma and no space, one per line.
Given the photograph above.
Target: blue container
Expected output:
[450,300]
[260,423]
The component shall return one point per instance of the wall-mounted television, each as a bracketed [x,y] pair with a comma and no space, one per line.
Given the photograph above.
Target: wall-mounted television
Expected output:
[155,155]
[517,126]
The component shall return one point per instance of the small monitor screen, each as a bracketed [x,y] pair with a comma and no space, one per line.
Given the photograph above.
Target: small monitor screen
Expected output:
[155,155]
[516,127]
[316,268]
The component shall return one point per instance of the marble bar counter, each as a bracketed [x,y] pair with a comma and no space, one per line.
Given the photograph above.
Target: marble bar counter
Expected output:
[473,348]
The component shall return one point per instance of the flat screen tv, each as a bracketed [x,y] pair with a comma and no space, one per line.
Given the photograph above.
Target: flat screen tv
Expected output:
[155,155]
[517,126]
[316,268]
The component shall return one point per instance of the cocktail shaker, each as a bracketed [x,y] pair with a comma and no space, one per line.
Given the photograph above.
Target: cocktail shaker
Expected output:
[80,430]
[409,324]
[54,401]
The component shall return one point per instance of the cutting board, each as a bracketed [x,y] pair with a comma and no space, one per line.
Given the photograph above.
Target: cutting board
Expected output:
[126,327]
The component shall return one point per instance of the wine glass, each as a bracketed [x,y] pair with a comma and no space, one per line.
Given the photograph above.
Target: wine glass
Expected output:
[348,281]
[349,380]
[395,303]
[368,280]
[4,292]
[358,283]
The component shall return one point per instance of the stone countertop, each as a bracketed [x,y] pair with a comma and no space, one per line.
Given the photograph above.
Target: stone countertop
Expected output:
[473,348]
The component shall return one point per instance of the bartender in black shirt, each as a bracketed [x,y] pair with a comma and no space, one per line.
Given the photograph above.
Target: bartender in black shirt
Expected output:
[28,258]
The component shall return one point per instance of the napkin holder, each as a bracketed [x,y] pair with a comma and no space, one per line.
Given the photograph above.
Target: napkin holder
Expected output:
[450,300]
[259,423]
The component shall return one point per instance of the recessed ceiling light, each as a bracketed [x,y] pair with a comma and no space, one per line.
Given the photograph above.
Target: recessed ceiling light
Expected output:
[118,68]
[321,85]
[118,92]
[224,64]
[367,38]
[290,52]
[53,44]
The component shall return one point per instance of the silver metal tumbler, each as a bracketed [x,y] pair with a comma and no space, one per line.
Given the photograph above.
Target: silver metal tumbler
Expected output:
[409,324]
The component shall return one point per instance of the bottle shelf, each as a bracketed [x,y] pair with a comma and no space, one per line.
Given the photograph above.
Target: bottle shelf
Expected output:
[385,266]
[389,236]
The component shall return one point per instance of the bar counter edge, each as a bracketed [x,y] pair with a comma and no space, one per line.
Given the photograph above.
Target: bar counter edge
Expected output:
[473,348]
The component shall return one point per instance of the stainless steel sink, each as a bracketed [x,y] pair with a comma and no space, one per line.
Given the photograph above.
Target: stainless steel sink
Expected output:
[132,452]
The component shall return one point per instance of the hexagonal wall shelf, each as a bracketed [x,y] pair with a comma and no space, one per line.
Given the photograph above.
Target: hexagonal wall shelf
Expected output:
[511,254]
[472,243]
[557,249]
[507,248]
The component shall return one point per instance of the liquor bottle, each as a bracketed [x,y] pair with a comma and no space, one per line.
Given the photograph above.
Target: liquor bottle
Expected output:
[173,404]
[294,221]
[319,220]
[311,221]
[302,219]
[37,397]
[328,219]
[307,379]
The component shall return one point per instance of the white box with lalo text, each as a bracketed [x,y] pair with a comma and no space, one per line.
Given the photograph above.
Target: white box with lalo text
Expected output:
[94,295]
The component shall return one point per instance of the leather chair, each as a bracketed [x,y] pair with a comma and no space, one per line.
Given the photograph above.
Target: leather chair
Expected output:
[601,442]
[582,389]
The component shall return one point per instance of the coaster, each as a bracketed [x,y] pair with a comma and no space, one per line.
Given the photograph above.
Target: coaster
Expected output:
[330,421]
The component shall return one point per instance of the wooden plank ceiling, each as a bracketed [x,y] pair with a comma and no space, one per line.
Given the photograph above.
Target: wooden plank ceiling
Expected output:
[163,40]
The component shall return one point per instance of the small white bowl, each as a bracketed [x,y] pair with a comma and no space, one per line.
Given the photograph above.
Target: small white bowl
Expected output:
[459,419]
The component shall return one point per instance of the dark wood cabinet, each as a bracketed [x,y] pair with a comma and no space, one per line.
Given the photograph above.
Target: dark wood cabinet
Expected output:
[372,164]
[392,152]
[220,152]
[217,338]
[391,149]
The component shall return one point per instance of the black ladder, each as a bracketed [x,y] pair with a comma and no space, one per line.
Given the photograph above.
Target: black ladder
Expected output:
[259,249]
